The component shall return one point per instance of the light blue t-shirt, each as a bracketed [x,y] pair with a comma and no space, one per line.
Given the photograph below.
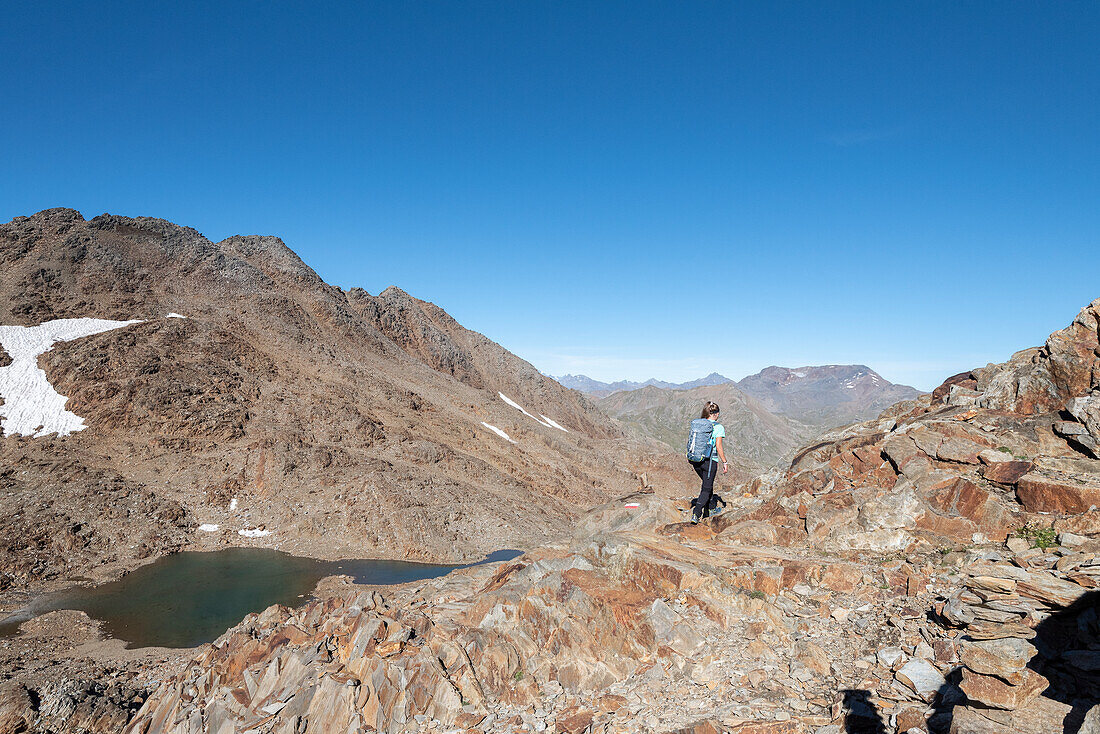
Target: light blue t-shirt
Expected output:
[719,432]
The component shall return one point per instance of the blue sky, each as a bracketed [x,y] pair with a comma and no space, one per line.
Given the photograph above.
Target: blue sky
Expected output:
[913,186]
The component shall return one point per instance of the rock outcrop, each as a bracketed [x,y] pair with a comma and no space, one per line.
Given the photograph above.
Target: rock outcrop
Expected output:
[987,452]
[643,623]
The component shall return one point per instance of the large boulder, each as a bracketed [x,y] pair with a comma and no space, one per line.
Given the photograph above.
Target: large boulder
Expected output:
[1066,494]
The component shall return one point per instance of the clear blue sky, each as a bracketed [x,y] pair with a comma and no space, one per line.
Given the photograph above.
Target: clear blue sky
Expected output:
[914,186]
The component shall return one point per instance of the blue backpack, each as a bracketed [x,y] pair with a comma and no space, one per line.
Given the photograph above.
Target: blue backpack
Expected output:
[699,445]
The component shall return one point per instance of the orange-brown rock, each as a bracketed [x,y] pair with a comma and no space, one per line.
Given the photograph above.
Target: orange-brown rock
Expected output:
[1007,472]
[610,703]
[1087,523]
[1062,494]
[574,720]
[992,691]
[16,709]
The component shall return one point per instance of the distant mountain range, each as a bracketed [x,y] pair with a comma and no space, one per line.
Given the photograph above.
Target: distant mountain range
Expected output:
[594,387]
[828,395]
[756,437]
[766,415]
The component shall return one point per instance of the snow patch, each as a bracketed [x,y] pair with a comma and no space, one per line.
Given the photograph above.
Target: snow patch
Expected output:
[31,406]
[554,424]
[799,374]
[232,504]
[207,527]
[499,432]
[849,387]
[544,422]
[254,533]
[175,315]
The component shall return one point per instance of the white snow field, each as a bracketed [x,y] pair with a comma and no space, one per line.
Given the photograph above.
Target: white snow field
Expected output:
[254,533]
[545,422]
[174,315]
[31,406]
[499,432]
[207,527]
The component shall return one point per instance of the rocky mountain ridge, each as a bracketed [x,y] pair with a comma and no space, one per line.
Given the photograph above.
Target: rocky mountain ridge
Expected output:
[252,397]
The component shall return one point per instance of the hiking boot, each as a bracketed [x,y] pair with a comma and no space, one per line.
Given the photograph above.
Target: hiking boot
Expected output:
[694,519]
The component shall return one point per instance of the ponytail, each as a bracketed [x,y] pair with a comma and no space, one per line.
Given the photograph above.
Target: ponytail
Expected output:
[710,409]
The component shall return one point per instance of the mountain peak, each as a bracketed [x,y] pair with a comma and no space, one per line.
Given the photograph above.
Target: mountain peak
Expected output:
[827,395]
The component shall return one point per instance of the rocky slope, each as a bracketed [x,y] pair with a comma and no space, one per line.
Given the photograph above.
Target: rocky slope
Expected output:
[755,438]
[253,396]
[934,570]
[826,396]
[428,333]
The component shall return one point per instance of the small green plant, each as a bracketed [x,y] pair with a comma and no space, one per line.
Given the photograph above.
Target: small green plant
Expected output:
[518,675]
[944,550]
[1004,449]
[1039,537]
[757,594]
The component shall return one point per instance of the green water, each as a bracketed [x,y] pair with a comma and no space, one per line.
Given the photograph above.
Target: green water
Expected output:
[186,599]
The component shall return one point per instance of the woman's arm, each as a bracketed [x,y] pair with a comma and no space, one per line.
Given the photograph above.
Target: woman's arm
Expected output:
[722,455]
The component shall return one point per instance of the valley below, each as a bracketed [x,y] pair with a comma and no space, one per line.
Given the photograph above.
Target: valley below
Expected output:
[928,564]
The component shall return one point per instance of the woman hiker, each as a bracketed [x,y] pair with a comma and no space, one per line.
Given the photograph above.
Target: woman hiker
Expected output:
[707,469]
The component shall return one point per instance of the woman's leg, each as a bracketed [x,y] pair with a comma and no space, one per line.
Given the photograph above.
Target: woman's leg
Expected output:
[706,470]
[701,468]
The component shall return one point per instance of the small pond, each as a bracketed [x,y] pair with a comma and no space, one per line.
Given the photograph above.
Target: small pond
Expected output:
[186,599]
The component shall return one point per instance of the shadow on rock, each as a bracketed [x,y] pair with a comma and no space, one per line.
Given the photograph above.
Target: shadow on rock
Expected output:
[1055,688]
[861,714]
[1068,644]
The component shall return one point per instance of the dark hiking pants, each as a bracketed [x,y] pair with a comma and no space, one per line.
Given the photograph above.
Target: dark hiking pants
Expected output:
[707,470]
